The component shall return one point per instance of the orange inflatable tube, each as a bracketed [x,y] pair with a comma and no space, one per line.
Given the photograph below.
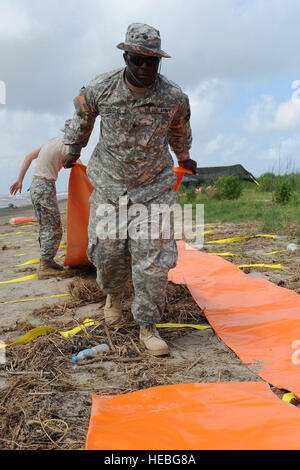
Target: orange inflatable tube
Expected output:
[21,220]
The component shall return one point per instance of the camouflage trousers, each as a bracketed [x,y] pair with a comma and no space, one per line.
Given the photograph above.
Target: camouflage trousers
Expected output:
[144,261]
[43,197]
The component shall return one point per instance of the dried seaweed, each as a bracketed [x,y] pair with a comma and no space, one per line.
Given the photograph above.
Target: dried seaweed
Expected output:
[46,401]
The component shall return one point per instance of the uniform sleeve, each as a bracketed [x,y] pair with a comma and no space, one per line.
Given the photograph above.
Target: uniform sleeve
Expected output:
[78,129]
[180,134]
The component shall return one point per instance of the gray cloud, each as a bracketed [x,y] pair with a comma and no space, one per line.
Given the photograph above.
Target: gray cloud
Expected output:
[62,44]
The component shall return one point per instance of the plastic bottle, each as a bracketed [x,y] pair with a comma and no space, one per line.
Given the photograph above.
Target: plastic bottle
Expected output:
[99,349]
[292,247]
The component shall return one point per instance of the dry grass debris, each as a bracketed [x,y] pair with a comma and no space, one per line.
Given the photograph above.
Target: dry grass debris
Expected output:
[46,401]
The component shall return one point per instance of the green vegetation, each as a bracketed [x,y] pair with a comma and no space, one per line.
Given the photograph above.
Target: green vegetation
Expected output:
[228,187]
[283,191]
[274,205]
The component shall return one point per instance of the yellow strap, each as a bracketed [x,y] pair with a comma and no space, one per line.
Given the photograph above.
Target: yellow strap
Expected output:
[26,225]
[182,325]
[236,239]
[30,253]
[34,276]
[31,261]
[273,252]
[35,261]
[266,235]
[41,330]
[226,253]
[289,397]
[20,279]
[229,240]
[256,182]
[25,231]
[274,266]
[36,298]
[203,233]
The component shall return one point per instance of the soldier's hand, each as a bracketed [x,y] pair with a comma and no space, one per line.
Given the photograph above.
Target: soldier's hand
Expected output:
[189,164]
[69,160]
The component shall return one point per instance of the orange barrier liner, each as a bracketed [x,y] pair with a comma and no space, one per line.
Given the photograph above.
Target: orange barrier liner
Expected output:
[21,220]
[214,416]
[257,319]
[78,212]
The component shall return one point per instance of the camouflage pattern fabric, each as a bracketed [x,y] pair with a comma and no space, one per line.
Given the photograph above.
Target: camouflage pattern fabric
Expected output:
[142,39]
[44,200]
[133,150]
[132,158]
[145,261]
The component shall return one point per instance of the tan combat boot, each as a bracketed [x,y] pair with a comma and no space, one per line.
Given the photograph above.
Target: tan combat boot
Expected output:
[49,268]
[113,309]
[150,339]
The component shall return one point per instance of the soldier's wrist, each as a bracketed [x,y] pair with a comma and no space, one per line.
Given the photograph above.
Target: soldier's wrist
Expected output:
[75,155]
[182,157]
[74,149]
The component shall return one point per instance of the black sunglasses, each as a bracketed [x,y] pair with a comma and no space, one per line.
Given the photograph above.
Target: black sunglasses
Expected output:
[139,60]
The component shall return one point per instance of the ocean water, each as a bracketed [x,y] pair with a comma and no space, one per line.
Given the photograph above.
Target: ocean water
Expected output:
[21,200]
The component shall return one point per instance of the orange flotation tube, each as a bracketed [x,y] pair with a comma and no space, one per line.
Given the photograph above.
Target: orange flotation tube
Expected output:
[21,220]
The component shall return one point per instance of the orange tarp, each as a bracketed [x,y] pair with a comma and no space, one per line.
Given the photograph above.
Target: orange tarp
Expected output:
[259,320]
[78,212]
[214,416]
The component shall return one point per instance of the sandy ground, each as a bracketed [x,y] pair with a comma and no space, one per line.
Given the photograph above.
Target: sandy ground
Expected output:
[18,245]
[38,380]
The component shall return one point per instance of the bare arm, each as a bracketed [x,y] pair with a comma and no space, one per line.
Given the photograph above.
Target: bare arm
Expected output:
[17,185]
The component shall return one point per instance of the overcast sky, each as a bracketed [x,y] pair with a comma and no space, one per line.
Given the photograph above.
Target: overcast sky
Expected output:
[238,60]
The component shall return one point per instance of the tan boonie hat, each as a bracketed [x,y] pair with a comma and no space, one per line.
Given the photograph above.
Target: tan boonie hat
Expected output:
[142,39]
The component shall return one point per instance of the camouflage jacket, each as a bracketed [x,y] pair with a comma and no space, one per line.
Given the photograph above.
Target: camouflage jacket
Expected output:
[135,134]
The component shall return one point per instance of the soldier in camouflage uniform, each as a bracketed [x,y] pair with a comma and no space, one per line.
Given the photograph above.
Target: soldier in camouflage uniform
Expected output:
[44,200]
[142,113]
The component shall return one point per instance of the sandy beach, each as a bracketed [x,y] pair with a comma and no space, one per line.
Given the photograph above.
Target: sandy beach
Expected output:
[19,245]
[22,293]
